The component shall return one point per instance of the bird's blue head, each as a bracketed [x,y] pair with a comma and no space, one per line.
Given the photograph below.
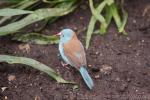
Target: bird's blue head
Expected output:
[66,35]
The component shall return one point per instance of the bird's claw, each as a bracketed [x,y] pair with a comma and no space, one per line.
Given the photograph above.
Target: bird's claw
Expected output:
[64,65]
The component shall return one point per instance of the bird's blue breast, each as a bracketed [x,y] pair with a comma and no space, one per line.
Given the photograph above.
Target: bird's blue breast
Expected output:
[61,50]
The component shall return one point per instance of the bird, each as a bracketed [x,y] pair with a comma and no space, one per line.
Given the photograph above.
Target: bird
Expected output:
[73,53]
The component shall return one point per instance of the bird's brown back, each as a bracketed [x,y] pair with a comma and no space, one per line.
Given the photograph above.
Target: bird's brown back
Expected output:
[75,52]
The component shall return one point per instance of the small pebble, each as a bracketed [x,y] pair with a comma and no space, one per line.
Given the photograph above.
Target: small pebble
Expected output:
[24,47]
[3,88]
[101,54]
[134,21]
[81,18]
[11,77]
[117,79]
[106,69]
[31,84]
[128,38]
[37,98]
[5,98]
[128,80]
[130,46]
[97,76]
[75,28]
[89,65]
[97,53]
[136,90]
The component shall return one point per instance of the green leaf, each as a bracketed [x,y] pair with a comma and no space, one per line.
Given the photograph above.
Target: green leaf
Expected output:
[13,12]
[109,2]
[11,1]
[34,17]
[116,16]
[92,24]
[55,1]
[90,31]
[21,5]
[96,13]
[25,4]
[36,38]
[35,64]
[125,17]
[120,24]
[108,18]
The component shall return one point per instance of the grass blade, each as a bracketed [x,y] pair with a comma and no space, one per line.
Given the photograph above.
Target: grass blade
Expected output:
[92,24]
[109,2]
[120,24]
[108,18]
[36,38]
[55,1]
[125,17]
[33,63]
[26,4]
[13,12]
[36,16]
[11,1]
[116,16]
[90,31]
[96,13]
[4,19]
[21,5]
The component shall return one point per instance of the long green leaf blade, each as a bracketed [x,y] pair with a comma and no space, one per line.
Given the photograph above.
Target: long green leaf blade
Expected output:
[34,17]
[11,1]
[13,12]
[108,18]
[90,31]
[124,21]
[109,2]
[92,24]
[33,63]
[116,16]
[21,5]
[96,13]
[36,38]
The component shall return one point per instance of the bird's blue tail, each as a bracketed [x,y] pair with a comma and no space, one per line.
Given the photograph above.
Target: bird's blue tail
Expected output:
[86,77]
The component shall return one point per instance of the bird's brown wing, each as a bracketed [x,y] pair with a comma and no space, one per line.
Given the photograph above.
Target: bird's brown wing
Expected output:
[75,53]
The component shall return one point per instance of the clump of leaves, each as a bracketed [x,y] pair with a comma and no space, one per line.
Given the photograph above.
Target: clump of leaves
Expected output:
[25,12]
[111,11]
[21,13]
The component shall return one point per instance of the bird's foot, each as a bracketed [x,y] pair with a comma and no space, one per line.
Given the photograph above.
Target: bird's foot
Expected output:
[64,65]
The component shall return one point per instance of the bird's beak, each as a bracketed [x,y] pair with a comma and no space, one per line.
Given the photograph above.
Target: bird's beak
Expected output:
[58,34]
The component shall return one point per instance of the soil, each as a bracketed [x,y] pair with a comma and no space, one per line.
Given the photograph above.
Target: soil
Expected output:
[118,64]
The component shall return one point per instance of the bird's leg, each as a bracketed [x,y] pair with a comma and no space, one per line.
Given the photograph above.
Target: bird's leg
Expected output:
[64,65]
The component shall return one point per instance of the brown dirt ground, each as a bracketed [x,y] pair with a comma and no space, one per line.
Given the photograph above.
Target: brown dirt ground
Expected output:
[128,56]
